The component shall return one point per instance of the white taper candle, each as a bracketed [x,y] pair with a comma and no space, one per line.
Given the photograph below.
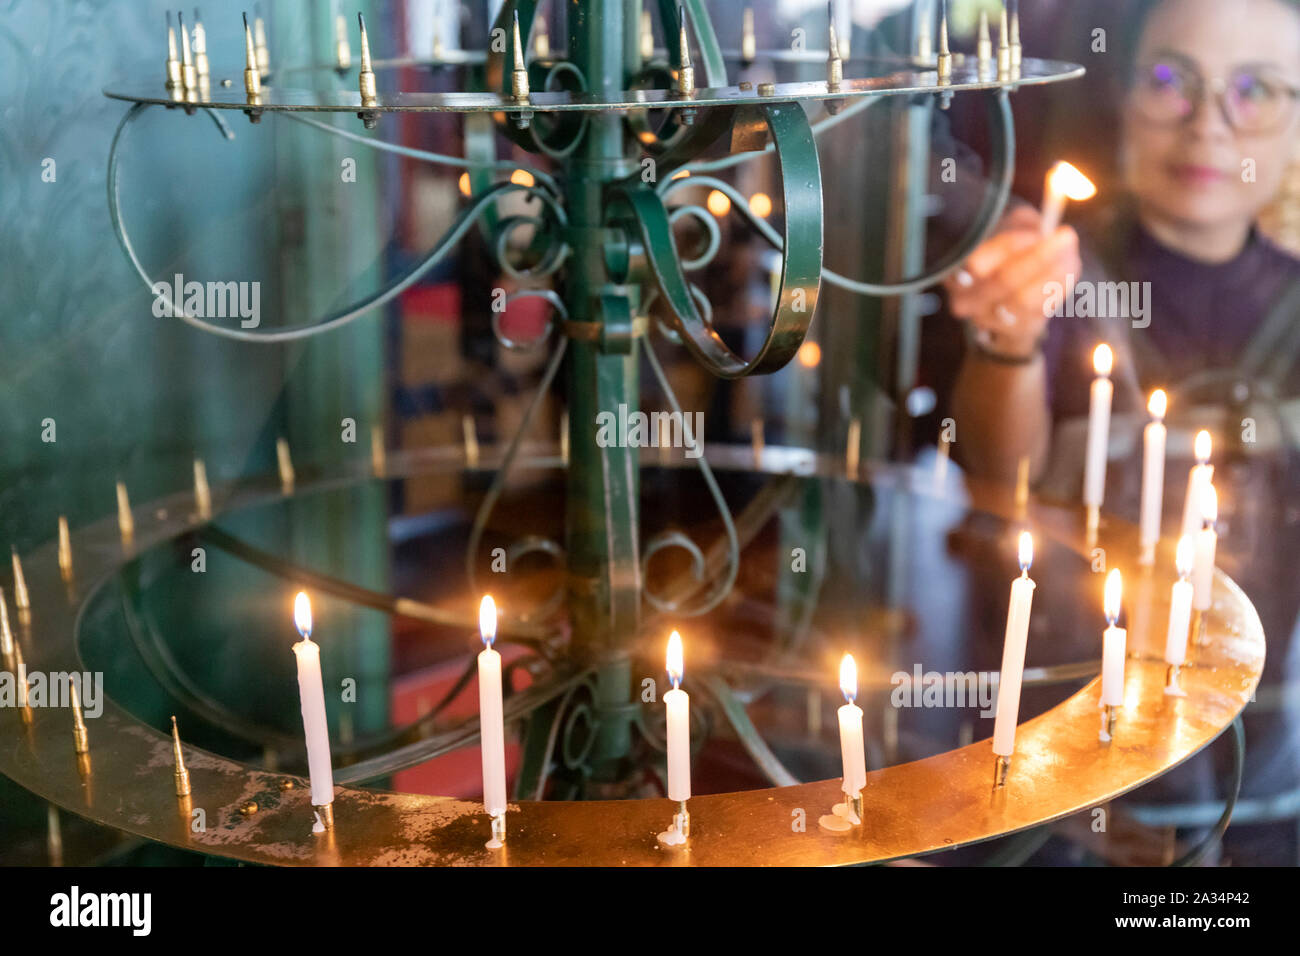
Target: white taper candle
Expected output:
[311,694]
[491,712]
[678,705]
[1153,475]
[1103,390]
[1013,653]
[853,752]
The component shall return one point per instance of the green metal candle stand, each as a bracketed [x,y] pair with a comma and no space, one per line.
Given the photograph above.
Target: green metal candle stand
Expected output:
[603,253]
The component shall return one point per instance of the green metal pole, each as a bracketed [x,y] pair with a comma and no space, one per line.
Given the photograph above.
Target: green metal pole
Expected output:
[603,483]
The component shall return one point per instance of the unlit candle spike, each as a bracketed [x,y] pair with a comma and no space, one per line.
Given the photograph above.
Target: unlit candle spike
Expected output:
[834,65]
[647,36]
[756,440]
[1004,45]
[20,669]
[342,45]
[21,598]
[541,38]
[984,46]
[1022,485]
[685,70]
[173,58]
[189,75]
[201,62]
[471,440]
[202,493]
[378,454]
[65,549]
[748,39]
[180,774]
[252,76]
[853,448]
[519,88]
[368,87]
[125,522]
[6,632]
[54,835]
[286,465]
[80,737]
[1016,50]
[945,51]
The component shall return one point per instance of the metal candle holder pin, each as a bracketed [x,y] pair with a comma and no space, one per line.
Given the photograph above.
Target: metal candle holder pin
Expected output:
[65,550]
[471,441]
[202,65]
[1004,47]
[189,75]
[80,737]
[1017,52]
[6,632]
[252,76]
[984,45]
[945,52]
[174,79]
[22,600]
[125,521]
[748,39]
[285,463]
[202,494]
[520,91]
[685,86]
[834,64]
[647,37]
[180,775]
[366,80]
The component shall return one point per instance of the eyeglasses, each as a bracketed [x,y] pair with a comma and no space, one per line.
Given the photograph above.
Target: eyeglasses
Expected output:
[1252,102]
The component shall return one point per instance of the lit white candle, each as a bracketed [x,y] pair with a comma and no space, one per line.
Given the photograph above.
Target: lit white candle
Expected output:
[679,725]
[1103,390]
[1114,644]
[1064,184]
[1202,474]
[1013,653]
[491,712]
[311,693]
[1180,605]
[853,752]
[1153,475]
[1207,542]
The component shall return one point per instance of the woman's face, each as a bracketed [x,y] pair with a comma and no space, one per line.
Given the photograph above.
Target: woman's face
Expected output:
[1185,160]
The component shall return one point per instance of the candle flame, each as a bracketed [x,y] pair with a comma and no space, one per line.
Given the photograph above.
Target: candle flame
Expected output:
[849,678]
[302,614]
[1026,550]
[1203,448]
[675,665]
[487,619]
[1103,360]
[1114,592]
[1185,556]
[1066,180]
[1159,404]
[1209,505]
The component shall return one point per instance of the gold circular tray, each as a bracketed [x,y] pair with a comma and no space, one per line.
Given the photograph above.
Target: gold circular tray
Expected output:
[944,801]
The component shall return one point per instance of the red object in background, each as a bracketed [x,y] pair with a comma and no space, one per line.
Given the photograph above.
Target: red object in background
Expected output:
[460,773]
[432,303]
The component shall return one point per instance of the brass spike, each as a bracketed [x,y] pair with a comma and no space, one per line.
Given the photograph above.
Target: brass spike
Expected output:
[378,455]
[80,737]
[286,465]
[125,522]
[471,440]
[342,46]
[181,775]
[1016,50]
[685,70]
[263,50]
[252,76]
[1004,46]
[369,92]
[834,65]
[174,81]
[65,549]
[748,39]
[202,493]
[541,37]
[201,62]
[945,52]
[20,671]
[519,88]
[21,598]
[853,448]
[189,75]
[984,46]
[647,36]
[6,632]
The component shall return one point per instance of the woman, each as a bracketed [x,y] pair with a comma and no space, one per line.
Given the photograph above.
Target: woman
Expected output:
[1211,124]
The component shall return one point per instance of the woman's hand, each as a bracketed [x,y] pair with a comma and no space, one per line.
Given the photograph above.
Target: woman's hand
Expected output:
[1001,288]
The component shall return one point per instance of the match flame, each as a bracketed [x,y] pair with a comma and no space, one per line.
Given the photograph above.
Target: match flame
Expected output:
[676,667]
[1103,360]
[302,615]
[1185,556]
[1066,180]
[1209,505]
[487,619]
[1203,447]
[1026,551]
[849,678]
[1159,404]
[1114,592]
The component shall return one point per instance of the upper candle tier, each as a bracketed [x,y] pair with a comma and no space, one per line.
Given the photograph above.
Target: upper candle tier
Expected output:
[891,77]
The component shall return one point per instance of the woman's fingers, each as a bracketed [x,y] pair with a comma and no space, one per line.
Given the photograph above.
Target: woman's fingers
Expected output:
[1020,276]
